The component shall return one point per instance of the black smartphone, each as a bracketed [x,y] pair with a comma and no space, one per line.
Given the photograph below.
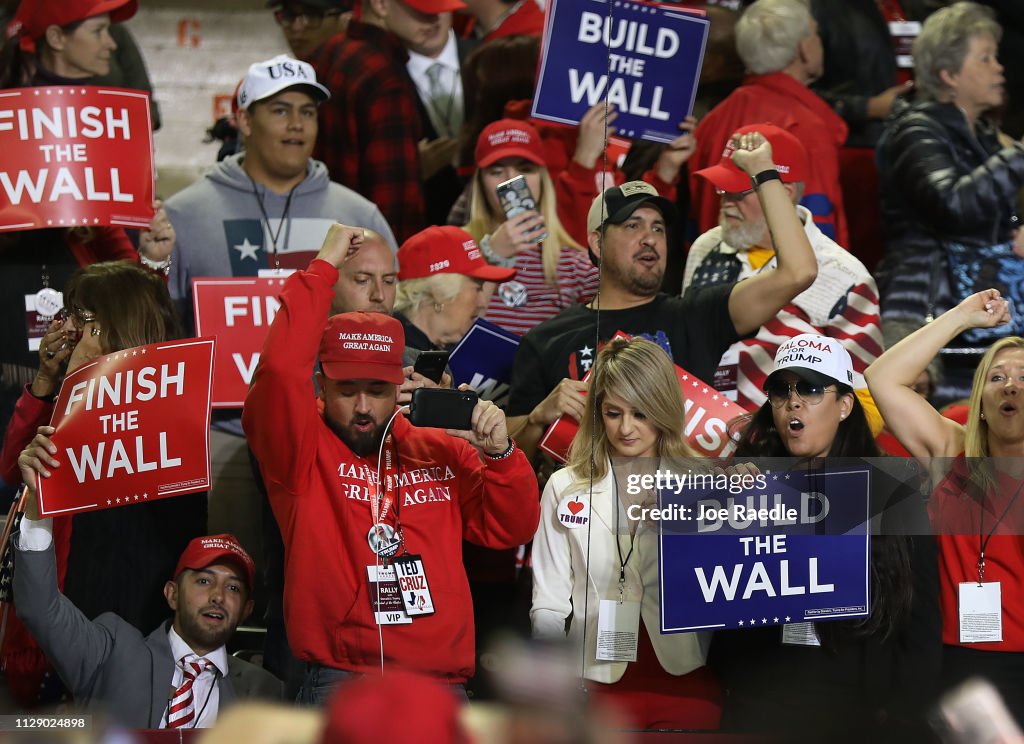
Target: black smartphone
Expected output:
[431,364]
[442,408]
[515,197]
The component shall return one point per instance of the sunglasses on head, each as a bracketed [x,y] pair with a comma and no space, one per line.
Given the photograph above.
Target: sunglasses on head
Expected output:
[811,393]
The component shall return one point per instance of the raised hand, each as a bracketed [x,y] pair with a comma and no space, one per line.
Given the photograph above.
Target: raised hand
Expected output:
[752,153]
[341,244]
[985,309]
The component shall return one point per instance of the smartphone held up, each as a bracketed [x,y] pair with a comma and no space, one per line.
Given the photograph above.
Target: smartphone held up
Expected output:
[515,197]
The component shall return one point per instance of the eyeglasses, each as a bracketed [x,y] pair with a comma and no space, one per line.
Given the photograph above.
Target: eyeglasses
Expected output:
[734,195]
[312,18]
[810,393]
[76,315]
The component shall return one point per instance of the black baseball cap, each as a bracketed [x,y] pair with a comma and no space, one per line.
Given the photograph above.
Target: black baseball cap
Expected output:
[618,203]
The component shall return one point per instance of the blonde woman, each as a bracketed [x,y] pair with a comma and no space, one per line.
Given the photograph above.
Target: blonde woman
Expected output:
[443,286]
[588,549]
[977,510]
[552,271]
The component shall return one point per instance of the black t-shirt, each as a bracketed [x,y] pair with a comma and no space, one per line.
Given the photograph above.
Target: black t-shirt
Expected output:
[695,330]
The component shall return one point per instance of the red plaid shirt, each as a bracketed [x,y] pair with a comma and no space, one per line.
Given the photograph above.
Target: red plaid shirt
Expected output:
[370,128]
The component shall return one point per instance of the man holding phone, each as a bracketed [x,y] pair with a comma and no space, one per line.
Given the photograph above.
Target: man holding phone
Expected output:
[352,532]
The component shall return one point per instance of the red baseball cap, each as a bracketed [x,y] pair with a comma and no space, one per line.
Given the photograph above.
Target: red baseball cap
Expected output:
[430,712]
[210,549]
[35,16]
[509,138]
[363,346]
[446,250]
[434,7]
[788,154]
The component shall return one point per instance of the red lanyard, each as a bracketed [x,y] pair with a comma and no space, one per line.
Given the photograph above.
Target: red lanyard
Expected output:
[387,483]
[891,10]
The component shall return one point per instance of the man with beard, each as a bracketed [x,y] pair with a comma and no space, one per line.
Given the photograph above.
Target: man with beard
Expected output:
[627,228]
[357,508]
[181,675]
[842,302]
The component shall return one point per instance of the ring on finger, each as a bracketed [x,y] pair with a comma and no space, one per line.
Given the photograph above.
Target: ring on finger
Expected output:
[50,354]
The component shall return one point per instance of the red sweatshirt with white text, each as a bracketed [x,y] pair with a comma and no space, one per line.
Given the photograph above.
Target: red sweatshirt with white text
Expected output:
[320,492]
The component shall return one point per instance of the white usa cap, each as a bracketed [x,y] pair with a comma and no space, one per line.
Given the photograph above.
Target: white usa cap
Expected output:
[265,79]
[817,359]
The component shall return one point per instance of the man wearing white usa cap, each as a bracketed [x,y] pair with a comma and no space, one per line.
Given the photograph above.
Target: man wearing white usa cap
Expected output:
[271,204]
[266,207]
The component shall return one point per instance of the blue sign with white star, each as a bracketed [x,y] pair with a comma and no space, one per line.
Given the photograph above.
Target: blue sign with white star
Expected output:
[645,59]
[793,548]
[245,239]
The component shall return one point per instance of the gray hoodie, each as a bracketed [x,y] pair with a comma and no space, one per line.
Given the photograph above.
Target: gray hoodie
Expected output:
[221,230]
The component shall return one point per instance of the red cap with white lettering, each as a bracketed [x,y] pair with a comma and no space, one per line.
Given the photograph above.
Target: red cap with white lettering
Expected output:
[35,16]
[209,549]
[508,138]
[363,346]
[446,250]
[788,154]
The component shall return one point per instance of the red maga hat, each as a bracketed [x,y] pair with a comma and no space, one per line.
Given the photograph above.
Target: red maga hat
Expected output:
[35,16]
[446,250]
[788,154]
[509,138]
[224,548]
[435,7]
[363,346]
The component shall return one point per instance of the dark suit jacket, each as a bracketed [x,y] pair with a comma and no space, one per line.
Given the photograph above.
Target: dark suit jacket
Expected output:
[442,189]
[107,663]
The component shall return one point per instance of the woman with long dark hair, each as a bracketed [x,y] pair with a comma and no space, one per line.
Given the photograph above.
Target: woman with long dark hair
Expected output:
[116,560]
[845,679]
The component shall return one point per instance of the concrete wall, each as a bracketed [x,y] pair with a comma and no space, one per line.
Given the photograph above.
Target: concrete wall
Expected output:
[196,52]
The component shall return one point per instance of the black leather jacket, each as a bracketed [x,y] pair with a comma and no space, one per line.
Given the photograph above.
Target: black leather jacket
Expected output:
[859,59]
[940,182]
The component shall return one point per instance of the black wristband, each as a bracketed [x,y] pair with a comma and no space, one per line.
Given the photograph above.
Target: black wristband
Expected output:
[765,176]
[511,448]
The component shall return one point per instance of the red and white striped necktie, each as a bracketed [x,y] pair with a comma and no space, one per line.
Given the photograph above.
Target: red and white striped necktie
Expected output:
[182,708]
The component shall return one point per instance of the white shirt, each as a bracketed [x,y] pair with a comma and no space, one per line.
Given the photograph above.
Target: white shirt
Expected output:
[205,693]
[35,535]
[445,114]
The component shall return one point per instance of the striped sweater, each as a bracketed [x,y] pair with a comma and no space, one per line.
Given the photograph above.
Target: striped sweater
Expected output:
[526,299]
[842,304]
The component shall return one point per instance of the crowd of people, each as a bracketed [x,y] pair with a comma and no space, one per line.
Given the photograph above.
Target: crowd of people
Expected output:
[853,185]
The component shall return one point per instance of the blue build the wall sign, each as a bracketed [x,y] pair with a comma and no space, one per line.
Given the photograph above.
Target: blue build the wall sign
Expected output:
[645,60]
[797,550]
[483,360]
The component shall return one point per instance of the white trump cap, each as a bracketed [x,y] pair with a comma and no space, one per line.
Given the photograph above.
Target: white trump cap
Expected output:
[266,79]
[817,359]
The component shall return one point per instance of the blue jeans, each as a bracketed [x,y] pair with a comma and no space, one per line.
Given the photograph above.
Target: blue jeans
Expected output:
[320,681]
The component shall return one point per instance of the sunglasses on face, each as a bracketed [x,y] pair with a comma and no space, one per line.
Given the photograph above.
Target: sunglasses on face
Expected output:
[734,195]
[810,393]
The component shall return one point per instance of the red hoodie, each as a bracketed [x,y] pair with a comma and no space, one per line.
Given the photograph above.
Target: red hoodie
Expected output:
[319,490]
